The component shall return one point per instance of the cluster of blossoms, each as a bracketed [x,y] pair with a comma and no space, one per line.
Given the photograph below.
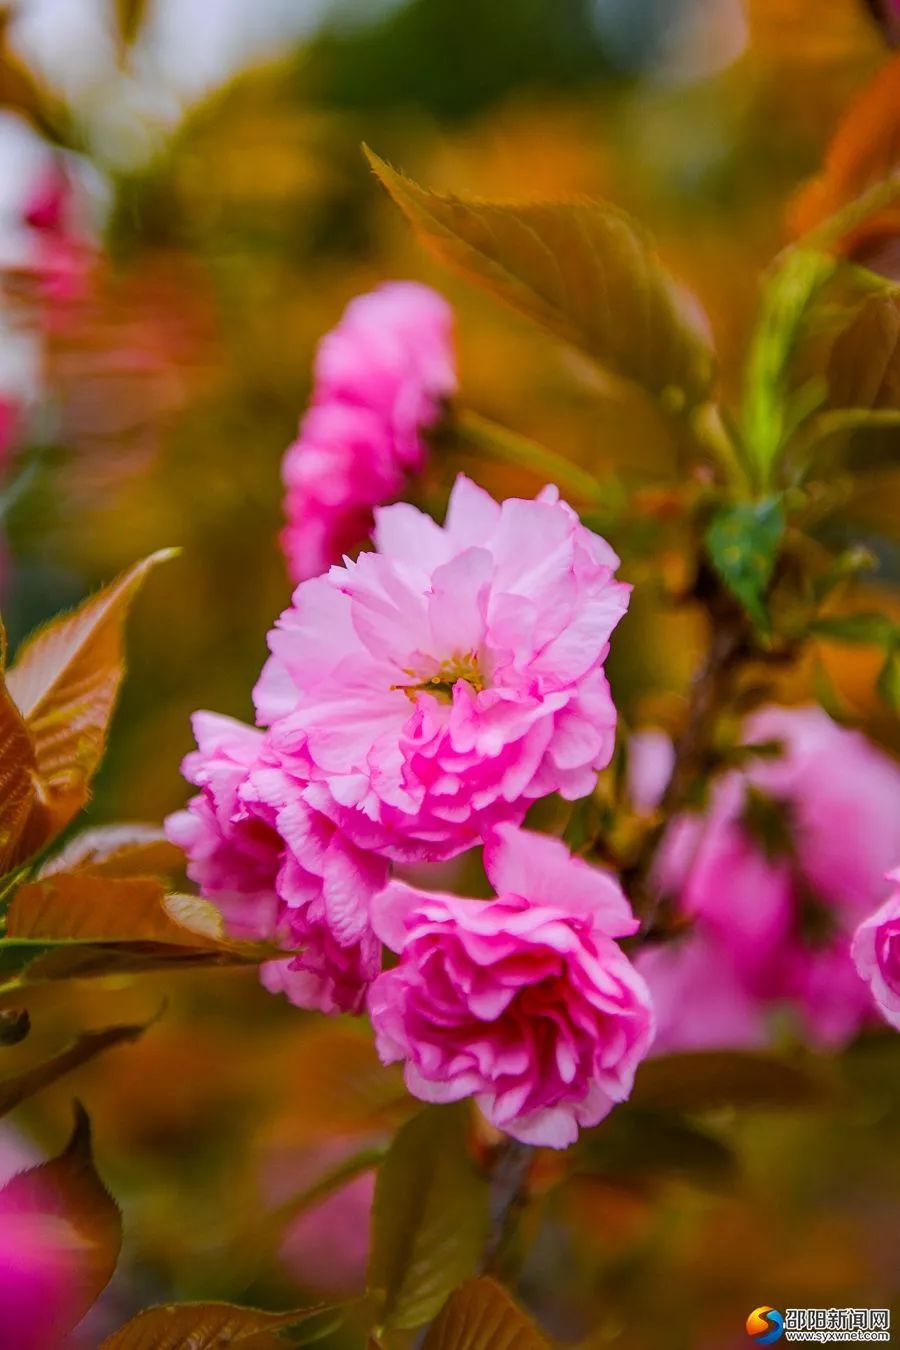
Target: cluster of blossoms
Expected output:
[786,861]
[419,698]
[415,703]
[381,379]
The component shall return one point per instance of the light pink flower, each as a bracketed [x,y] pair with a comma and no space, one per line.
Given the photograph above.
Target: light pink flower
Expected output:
[381,377]
[776,874]
[525,1001]
[433,689]
[276,869]
[876,953]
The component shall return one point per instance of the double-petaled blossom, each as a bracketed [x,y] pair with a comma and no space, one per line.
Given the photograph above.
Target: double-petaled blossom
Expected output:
[525,1001]
[432,690]
[276,869]
[777,872]
[381,379]
[876,953]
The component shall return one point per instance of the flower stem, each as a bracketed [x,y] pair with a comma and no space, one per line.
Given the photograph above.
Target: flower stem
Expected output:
[509,1172]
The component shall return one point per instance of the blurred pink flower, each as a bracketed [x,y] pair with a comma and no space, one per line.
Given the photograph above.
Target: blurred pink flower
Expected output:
[787,858]
[62,256]
[325,1248]
[525,1001]
[433,689]
[41,1263]
[380,379]
[876,953]
[277,870]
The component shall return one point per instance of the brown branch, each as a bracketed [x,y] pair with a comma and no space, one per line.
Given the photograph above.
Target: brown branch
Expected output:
[509,1171]
[730,645]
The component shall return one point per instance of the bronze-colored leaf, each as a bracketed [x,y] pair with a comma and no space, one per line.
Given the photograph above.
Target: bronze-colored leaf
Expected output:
[429,1219]
[205,1326]
[64,682]
[480,1315]
[18,794]
[81,907]
[75,925]
[583,270]
[69,1211]
[864,153]
[125,850]
[18,1087]
[864,365]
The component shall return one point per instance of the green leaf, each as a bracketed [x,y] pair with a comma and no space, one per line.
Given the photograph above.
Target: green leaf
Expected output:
[16,1088]
[430,1218]
[875,630]
[583,270]
[633,1144]
[743,542]
[773,406]
[206,1326]
[77,1222]
[704,1080]
[480,1315]
[889,680]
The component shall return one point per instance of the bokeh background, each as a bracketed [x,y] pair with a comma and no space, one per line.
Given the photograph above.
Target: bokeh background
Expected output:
[221,215]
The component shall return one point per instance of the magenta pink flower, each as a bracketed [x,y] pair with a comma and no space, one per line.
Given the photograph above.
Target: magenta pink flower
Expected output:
[277,870]
[62,253]
[876,953]
[433,689]
[525,1001]
[381,378]
[42,1264]
[776,874]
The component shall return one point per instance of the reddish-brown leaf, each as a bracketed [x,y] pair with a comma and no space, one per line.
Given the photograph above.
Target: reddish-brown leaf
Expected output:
[480,1315]
[864,152]
[126,850]
[81,907]
[18,793]
[64,682]
[205,1326]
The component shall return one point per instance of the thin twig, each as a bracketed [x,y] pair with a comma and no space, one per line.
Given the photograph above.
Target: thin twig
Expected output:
[509,1181]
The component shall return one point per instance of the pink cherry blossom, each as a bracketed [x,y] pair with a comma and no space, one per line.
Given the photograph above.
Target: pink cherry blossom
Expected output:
[277,870]
[776,874]
[433,689]
[876,953]
[525,1001]
[381,377]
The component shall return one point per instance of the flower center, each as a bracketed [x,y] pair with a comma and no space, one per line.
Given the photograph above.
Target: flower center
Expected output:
[440,684]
